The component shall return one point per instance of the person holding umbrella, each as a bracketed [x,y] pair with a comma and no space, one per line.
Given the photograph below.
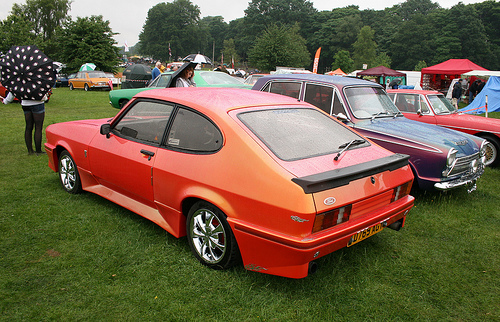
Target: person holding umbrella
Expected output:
[29,75]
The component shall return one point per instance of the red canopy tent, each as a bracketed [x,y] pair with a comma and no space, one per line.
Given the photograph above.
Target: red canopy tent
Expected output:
[382,72]
[438,77]
[338,71]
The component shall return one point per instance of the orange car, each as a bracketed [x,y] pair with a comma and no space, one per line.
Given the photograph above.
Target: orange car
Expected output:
[90,79]
[246,175]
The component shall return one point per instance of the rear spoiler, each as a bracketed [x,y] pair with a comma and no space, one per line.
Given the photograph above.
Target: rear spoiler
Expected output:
[341,177]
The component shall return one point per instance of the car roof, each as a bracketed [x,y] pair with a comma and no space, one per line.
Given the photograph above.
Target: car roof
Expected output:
[219,100]
[412,91]
[337,80]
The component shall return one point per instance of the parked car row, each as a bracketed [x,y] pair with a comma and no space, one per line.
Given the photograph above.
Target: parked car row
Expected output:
[440,158]
[270,181]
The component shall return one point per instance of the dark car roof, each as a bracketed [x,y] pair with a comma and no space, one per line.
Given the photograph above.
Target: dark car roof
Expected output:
[337,80]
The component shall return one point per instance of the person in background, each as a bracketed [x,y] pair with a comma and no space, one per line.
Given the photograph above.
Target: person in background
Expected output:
[156,71]
[456,93]
[473,89]
[34,114]
[185,78]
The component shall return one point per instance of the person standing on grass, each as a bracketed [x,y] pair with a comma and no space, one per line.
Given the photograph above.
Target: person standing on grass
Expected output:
[156,71]
[34,114]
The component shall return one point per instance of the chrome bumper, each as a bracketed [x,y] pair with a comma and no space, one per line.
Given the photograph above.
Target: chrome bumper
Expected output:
[467,179]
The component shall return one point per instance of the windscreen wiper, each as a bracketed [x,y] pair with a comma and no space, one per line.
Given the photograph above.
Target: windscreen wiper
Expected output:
[347,145]
[396,114]
[375,115]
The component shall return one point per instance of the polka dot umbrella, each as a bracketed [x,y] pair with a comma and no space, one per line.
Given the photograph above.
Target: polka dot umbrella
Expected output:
[27,72]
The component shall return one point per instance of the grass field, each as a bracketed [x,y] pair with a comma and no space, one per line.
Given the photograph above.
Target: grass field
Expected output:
[80,257]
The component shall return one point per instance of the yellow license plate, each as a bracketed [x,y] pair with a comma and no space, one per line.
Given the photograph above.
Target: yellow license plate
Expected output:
[364,234]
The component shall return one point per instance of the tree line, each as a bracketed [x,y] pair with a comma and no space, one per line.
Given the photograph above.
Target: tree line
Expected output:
[407,36]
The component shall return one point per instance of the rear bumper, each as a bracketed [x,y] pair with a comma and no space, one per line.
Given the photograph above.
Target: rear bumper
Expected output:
[278,254]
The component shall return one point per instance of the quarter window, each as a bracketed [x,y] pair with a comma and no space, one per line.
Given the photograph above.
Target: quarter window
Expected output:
[319,96]
[291,89]
[193,132]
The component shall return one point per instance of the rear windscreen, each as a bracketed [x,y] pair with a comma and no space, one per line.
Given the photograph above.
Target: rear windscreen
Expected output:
[298,133]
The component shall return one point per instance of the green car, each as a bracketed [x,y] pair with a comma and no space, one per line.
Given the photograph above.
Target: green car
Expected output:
[118,98]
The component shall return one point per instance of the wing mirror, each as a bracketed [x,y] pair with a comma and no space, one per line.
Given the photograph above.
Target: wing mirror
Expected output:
[342,117]
[106,130]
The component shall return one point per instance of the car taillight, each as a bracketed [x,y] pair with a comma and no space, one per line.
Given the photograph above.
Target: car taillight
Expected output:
[401,191]
[331,218]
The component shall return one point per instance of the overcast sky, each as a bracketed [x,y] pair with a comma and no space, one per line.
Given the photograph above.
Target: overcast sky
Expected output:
[127,17]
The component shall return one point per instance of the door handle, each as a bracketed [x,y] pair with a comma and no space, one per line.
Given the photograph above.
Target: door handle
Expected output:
[148,153]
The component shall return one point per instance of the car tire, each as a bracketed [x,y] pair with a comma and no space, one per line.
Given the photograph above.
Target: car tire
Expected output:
[86,87]
[68,173]
[492,150]
[210,237]
[71,86]
[123,103]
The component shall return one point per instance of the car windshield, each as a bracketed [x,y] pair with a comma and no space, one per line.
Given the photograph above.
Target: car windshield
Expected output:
[161,81]
[441,105]
[298,133]
[219,78]
[370,102]
[96,74]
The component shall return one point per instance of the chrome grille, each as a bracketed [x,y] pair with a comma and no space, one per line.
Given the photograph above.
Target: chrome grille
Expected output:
[463,164]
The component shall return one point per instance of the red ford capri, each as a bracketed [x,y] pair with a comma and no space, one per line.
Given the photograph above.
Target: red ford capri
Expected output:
[250,177]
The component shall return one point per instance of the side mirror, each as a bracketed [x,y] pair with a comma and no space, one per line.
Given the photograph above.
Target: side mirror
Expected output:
[419,112]
[106,130]
[342,117]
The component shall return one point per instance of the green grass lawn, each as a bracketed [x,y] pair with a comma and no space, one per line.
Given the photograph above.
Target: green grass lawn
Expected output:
[80,257]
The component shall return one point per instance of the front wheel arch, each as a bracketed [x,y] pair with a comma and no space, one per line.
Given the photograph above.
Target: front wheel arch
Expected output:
[494,149]
[210,237]
[122,103]
[68,173]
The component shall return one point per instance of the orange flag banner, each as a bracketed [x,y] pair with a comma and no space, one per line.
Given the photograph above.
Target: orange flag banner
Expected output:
[316,61]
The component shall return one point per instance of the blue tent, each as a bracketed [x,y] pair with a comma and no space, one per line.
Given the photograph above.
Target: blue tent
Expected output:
[492,90]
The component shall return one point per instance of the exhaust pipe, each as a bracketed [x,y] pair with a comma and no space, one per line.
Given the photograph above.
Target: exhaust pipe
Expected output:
[313,267]
[396,225]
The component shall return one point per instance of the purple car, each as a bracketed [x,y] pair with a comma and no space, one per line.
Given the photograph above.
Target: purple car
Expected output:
[440,158]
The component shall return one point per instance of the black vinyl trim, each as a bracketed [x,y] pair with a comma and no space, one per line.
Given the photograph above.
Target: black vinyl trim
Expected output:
[341,177]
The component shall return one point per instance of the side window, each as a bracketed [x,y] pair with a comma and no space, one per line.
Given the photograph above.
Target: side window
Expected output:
[337,105]
[286,88]
[162,81]
[407,103]
[423,105]
[191,131]
[266,88]
[145,121]
[319,96]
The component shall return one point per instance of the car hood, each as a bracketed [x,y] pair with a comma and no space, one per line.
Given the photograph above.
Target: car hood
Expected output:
[418,134]
[472,122]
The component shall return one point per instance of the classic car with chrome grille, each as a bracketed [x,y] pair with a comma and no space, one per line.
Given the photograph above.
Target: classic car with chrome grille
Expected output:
[440,158]
[247,176]
[434,108]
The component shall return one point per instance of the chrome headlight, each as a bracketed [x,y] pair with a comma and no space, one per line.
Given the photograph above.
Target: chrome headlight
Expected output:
[450,161]
[483,151]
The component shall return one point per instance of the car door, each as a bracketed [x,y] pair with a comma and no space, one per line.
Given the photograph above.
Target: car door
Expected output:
[80,80]
[123,160]
[191,145]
